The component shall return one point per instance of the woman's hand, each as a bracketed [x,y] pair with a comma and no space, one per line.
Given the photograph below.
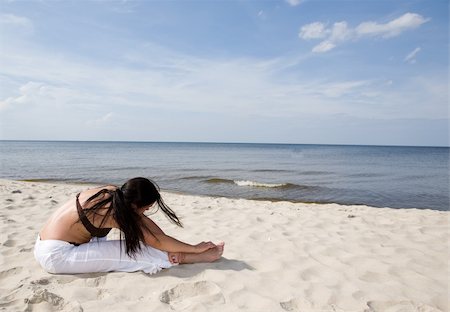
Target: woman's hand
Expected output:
[175,257]
[204,246]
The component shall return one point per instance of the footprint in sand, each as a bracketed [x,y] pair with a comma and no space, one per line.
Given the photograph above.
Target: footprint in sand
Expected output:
[24,249]
[42,281]
[9,243]
[301,304]
[95,281]
[398,306]
[43,300]
[186,295]
[58,280]
[43,296]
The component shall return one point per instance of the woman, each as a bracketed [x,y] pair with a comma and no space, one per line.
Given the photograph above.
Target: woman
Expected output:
[74,238]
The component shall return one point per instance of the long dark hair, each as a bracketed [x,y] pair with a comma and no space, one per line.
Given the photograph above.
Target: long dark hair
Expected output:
[135,193]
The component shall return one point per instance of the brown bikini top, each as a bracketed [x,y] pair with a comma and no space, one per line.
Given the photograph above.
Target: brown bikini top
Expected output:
[95,231]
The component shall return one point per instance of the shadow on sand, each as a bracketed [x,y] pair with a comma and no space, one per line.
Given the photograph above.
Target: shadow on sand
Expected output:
[189,270]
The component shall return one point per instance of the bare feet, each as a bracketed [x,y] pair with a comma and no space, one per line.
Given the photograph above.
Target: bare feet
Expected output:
[212,254]
[209,255]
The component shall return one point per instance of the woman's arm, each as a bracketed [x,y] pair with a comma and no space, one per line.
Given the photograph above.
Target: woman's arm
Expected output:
[152,226]
[164,242]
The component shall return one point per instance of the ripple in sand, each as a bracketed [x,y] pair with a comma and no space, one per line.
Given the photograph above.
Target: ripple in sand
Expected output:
[10,272]
[398,306]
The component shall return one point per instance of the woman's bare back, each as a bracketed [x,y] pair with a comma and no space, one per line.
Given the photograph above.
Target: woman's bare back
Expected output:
[64,225]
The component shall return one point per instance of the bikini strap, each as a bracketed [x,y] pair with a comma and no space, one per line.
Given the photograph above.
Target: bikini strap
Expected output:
[95,231]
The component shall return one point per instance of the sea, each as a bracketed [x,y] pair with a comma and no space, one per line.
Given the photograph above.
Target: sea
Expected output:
[379,176]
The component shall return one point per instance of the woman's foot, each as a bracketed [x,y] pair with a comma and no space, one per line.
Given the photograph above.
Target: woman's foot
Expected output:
[210,255]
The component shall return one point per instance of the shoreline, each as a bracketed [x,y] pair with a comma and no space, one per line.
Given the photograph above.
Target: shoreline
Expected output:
[328,257]
[272,200]
[374,176]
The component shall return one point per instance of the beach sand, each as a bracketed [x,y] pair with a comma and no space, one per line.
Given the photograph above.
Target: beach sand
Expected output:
[279,256]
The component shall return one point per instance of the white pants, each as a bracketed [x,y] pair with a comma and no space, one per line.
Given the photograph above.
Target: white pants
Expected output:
[98,255]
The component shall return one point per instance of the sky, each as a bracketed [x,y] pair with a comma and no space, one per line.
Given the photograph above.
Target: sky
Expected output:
[365,72]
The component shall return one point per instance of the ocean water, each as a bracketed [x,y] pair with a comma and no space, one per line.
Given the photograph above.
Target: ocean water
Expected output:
[380,176]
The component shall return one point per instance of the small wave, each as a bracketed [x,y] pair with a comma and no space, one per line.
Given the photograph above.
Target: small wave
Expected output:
[258,184]
[219,180]
[315,172]
[194,177]
[270,170]
[365,175]
[248,183]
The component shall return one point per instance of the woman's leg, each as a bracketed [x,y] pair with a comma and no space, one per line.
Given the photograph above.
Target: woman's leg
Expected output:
[110,255]
[210,255]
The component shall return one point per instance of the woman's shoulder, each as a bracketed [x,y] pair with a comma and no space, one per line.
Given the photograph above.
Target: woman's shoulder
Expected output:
[107,187]
[94,190]
[89,193]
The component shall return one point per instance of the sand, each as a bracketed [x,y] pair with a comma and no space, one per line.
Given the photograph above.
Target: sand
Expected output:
[279,256]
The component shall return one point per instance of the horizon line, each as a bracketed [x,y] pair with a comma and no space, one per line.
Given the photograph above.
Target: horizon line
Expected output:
[215,142]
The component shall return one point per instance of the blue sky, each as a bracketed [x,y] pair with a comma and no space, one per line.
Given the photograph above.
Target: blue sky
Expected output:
[311,71]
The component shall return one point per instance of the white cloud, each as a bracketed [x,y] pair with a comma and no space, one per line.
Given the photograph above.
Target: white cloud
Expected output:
[27,95]
[393,28]
[340,89]
[262,14]
[340,32]
[337,34]
[14,20]
[163,80]
[45,96]
[411,57]
[314,30]
[324,46]
[103,120]
[166,81]
[175,82]
[294,2]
